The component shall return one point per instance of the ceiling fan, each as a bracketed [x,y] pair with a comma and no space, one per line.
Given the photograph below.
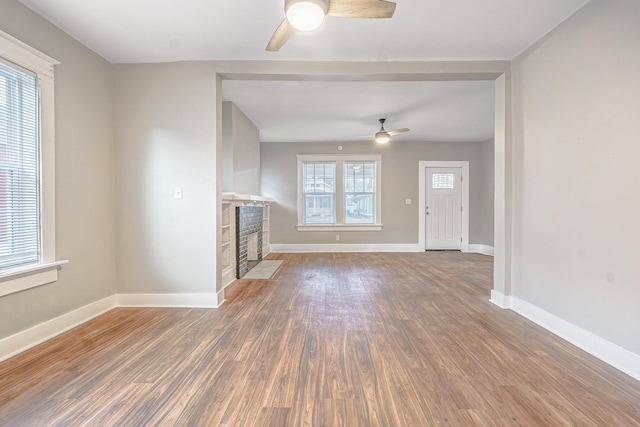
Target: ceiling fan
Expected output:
[383,136]
[307,15]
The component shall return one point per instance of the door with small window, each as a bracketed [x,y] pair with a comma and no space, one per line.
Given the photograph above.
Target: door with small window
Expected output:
[443,209]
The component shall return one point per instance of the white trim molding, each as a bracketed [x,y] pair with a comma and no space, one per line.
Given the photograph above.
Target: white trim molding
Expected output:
[24,340]
[610,353]
[346,247]
[27,57]
[29,277]
[340,227]
[229,276]
[478,249]
[221,298]
[366,247]
[246,199]
[200,300]
[500,299]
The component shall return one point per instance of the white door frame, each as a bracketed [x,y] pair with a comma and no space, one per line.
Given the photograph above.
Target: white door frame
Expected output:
[422,188]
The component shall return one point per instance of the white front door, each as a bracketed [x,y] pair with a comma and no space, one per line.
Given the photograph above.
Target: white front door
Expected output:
[443,208]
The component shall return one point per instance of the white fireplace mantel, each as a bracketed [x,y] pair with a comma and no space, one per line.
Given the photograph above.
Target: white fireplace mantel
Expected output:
[246,198]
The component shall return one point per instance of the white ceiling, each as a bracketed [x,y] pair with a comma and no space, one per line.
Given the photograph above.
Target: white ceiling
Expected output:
[345,111]
[136,31]
[126,31]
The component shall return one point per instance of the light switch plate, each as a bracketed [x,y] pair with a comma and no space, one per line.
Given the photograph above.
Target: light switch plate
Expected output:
[407,201]
[177,192]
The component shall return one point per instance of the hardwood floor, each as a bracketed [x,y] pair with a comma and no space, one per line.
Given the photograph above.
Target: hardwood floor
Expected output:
[333,340]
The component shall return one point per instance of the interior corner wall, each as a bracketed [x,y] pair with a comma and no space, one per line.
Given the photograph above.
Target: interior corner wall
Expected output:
[165,133]
[576,201]
[241,151]
[85,226]
[399,182]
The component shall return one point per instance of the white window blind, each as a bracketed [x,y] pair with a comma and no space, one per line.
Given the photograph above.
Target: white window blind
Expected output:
[319,192]
[359,192]
[19,167]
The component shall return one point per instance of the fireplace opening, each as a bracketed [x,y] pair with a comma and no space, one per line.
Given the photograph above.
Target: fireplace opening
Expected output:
[252,250]
[248,238]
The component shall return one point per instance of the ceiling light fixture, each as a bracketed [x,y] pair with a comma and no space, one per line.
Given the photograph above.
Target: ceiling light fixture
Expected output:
[305,15]
[382,136]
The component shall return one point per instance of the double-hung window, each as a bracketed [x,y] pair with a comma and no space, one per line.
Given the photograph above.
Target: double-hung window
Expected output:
[359,192]
[27,175]
[319,192]
[19,167]
[339,192]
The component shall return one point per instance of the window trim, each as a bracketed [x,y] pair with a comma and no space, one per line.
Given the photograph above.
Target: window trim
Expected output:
[32,275]
[340,159]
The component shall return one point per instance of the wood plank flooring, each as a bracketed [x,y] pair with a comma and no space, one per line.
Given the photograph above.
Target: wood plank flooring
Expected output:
[333,340]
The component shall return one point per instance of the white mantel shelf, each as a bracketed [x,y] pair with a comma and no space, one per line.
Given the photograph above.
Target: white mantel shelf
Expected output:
[234,197]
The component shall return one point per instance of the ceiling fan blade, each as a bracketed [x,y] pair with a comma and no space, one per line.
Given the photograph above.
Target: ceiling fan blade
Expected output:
[398,131]
[284,31]
[361,8]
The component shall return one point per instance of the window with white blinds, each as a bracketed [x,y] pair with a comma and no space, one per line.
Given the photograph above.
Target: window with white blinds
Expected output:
[339,192]
[19,167]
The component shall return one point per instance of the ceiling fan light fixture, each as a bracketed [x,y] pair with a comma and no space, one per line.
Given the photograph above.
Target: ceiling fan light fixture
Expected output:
[305,15]
[382,137]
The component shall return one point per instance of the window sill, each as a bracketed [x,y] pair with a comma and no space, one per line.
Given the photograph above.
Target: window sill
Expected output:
[340,227]
[27,277]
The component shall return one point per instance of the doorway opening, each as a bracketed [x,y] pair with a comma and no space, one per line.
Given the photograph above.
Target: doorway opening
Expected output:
[421,71]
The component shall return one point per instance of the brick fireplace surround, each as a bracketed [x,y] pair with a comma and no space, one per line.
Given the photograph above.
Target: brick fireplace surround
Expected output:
[248,221]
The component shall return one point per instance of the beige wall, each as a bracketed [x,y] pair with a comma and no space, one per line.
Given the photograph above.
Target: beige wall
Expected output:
[227,147]
[576,176]
[84,175]
[241,152]
[165,138]
[399,182]
[487,193]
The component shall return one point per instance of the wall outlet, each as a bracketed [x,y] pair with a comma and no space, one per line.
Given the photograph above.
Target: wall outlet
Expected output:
[337,237]
[177,192]
[407,201]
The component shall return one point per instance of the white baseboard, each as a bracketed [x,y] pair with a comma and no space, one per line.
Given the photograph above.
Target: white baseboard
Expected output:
[346,247]
[207,300]
[221,298]
[479,249]
[610,353]
[366,247]
[24,340]
[228,277]
[500,299]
